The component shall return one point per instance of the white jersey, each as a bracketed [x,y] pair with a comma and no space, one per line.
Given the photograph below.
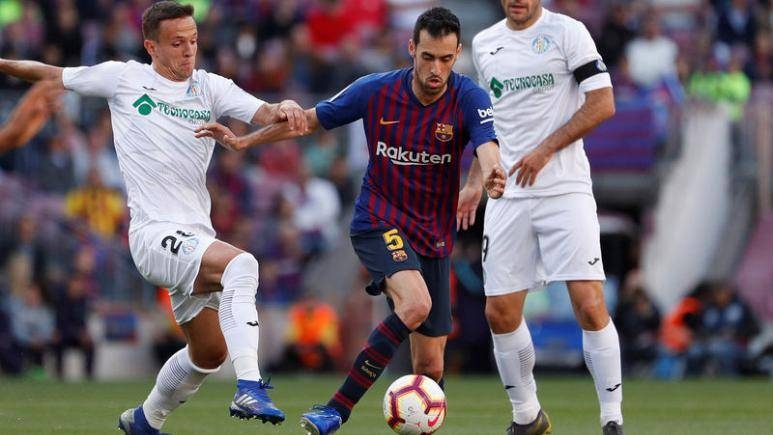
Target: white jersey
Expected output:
[163,165]
[529,75]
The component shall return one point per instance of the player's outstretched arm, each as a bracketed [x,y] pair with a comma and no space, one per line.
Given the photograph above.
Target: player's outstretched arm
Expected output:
[469,197]
[599,105]
[491,169]
[30,115]
[272,133]
[31,71]
[287,110]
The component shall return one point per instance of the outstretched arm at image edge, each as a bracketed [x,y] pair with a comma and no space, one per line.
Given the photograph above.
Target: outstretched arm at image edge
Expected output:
[275,132]
[31,71]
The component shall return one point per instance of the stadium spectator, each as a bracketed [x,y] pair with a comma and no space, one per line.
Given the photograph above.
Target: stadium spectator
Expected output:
[677,333]
[32,324]
[403,224]
[96,205]
[313,341]
[651,56]
[616,33]
[29,116]
[550,87]
[24,257]
[638,321]
[725,327]
[72,307]
[165,172]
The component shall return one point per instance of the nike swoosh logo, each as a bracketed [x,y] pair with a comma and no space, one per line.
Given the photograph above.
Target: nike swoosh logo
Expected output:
[507,387]
[614,388]
[382,122]
[253,323]
[434,421]
[595,260]
[495,51]
[371,365]
[149,89]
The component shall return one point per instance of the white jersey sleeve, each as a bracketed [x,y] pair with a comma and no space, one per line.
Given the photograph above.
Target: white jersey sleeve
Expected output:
[579,50]
[100,80]
[231,100]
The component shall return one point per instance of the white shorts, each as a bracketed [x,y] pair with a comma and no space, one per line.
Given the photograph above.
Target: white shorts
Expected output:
[169,255]
[529,242]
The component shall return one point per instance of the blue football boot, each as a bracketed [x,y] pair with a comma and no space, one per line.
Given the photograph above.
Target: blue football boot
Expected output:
[321,420]
[133,422]
[252,401]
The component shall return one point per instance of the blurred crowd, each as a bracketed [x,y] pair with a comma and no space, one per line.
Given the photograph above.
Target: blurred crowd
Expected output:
[63,223]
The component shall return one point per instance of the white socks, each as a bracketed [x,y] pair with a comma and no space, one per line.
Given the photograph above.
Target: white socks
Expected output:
[177,380]
[602,356]
[239,316]
[514,354]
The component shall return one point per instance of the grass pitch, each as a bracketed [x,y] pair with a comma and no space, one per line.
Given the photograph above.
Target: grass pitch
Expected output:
[476,405]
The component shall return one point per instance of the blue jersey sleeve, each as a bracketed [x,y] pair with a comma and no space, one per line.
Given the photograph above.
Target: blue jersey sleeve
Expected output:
[346,106]
[478,115]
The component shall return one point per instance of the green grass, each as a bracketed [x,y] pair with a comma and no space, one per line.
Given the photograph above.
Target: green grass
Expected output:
[477,405]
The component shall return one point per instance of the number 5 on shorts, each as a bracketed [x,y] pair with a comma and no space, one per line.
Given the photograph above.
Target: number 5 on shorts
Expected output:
[393,240]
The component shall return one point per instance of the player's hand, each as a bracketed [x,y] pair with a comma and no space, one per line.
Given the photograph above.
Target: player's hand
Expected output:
[294,114]
[529,166]
[220,133]
[469,198]
[495,182]
[33,111]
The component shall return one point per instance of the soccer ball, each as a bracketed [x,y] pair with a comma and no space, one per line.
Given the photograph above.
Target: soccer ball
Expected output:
[414,405]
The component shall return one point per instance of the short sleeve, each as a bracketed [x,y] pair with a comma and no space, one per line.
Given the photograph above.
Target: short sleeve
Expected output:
[231,100]
[579,47]
[478,116]
[581,50]
[346,106]
[100,80]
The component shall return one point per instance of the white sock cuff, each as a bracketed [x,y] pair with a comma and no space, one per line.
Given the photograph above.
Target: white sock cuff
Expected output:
[241,266]
[515,340]
[600,339]
[184,358]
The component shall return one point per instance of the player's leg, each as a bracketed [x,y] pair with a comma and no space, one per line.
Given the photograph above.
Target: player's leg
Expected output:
[394,267]
[428,341]
[601,347]
[236,272]
[568,231]
[411,306]
[183,373]
[510,259]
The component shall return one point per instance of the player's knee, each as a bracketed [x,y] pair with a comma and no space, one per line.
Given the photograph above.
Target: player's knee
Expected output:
[432,369]
[591,314]
[210,359]
[241,273]
[414,312]
[501,318]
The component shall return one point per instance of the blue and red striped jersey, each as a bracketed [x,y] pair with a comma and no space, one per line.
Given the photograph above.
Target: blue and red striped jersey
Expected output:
[413,175]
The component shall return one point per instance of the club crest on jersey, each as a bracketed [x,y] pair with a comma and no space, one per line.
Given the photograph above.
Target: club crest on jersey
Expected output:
[399,256]
[190,245]
[540,44]
[193,89]
[444,132]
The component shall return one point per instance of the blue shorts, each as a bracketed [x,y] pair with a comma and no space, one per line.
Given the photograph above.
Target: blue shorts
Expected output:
[385,252]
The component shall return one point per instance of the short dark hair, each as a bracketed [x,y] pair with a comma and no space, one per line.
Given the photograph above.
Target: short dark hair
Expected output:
[438,22]
[158,12]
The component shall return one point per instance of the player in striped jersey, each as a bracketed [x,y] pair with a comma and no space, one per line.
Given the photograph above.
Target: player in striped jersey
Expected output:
[417,122]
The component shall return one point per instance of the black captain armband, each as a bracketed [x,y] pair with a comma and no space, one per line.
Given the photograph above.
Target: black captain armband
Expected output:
[590,69]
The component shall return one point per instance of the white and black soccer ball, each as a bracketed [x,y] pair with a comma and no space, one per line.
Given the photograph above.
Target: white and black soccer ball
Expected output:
[414,405]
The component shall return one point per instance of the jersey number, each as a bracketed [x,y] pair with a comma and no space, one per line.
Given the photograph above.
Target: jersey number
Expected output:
[393,240]
[485,247]
[174,244]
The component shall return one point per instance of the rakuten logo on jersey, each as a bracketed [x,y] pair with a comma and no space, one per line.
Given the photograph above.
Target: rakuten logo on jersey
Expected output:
[402,157]
[486,115]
